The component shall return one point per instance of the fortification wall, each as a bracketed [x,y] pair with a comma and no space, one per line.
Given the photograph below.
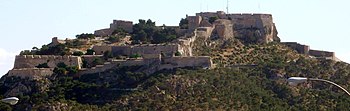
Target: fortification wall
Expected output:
[204,32]
[31,73]
[109,65]
[223,28]
[31,61]
[302,49]
[101,49]
[126,25]
[166,49]
[193,22]
[103,32]
[319,53]
[207,15]
[121,50]
[90,58]
[175,62]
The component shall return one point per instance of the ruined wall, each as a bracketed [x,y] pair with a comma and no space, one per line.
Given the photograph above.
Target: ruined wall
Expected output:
[302,49]
[31,61]
[31,73]
[175,62]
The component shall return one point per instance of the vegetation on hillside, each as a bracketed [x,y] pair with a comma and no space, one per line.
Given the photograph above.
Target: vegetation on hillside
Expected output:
[260,86]
[148,32]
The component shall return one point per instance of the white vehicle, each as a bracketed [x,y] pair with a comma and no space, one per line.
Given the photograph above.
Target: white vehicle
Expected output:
[10,100]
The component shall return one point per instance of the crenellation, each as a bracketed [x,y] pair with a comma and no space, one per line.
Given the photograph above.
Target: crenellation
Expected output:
[31,61]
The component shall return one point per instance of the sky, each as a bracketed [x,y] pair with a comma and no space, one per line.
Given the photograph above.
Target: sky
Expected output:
[321,24]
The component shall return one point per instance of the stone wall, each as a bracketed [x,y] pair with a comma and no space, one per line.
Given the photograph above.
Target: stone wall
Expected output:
[302,49]
[55,41]
[166,49]
[101,49]
[261,23]
[31,61]
[223,28]
[176,62]
[126,25]
[193,22]
[207,15]
[31,73]
[103,32]
[319,53]
[241,25]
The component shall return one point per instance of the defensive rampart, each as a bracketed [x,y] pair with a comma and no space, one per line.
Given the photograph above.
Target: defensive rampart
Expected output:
[31,61]
[302,49]
[165,49]
[176,62]
[31,73]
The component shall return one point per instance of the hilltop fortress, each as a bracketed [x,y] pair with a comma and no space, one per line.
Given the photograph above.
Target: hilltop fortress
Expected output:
[155,57]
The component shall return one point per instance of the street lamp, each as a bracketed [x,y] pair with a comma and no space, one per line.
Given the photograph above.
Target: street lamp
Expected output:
[10,100]
[297,80]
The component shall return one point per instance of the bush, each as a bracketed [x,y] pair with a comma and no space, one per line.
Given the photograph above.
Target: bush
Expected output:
[97,61]
[135,56]
[85,36]
[113,39]
[78,53]
[90,52]
[177,53]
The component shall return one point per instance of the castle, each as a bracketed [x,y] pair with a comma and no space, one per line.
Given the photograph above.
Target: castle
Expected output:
[155,57]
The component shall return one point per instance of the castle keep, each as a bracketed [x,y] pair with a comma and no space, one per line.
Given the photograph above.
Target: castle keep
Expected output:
[260,26]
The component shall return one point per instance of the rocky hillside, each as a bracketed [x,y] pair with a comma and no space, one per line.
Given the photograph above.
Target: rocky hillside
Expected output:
[248,75]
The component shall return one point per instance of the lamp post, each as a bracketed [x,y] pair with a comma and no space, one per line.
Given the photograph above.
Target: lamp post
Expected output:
[10,100]
[297,80]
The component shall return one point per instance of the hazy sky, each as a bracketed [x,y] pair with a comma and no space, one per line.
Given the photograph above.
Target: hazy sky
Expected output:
[322,24]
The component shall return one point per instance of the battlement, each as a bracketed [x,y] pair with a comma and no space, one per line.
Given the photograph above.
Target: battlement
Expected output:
[31,61]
